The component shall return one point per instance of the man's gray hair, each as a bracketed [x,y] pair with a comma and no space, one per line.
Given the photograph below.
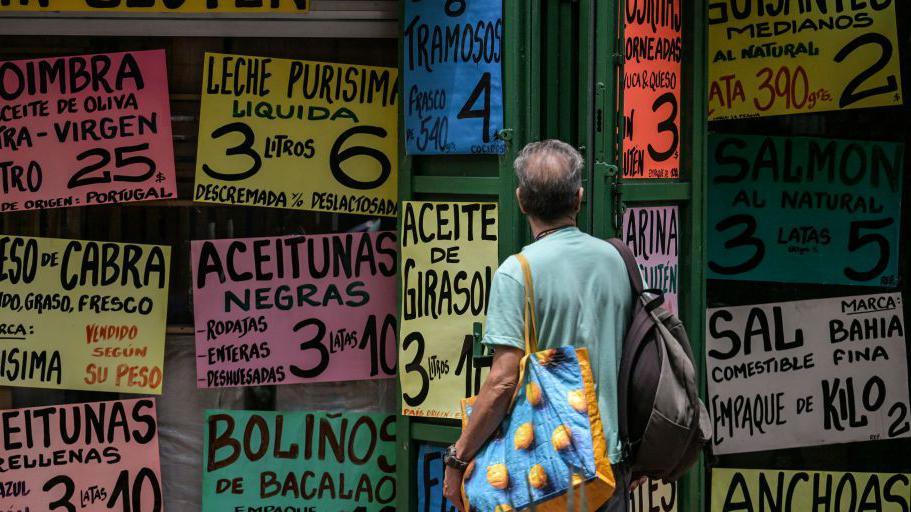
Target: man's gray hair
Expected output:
[550,176]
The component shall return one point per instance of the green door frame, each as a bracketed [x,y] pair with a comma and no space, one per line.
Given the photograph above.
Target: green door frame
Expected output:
[477,178]
[561,80]
[612,193]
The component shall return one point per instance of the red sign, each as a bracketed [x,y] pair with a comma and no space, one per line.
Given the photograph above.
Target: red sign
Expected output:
[651,89]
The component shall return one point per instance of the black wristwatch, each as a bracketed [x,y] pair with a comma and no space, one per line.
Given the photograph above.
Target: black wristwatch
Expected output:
[450,459]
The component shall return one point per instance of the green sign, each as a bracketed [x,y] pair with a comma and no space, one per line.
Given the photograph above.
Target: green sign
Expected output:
[804,210]
[298,461]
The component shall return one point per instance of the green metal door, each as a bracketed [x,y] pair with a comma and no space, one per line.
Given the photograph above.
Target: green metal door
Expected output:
[612,193]
[561,80]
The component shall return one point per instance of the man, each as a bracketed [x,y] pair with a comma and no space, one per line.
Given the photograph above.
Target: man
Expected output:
[582,298]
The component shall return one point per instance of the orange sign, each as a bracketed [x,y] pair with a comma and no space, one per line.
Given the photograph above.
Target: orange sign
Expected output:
[651,90]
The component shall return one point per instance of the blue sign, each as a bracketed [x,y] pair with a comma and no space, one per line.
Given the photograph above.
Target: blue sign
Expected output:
[430,480]
[804,210]
[453,77]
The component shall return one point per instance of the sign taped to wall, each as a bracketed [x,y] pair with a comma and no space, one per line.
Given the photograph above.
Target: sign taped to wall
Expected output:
[799,57]
[85,130]
[652,233]
[651,89]
[797,491]
[298,134]
[295,309]
[316,461]
[162,6]
[84,315]
[804,210]
[807,373]
[449,256]
[455,90]
[89,457]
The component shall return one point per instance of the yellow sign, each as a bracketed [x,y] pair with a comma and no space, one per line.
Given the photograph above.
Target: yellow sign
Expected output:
[799,491]
[163,6]
[82,315]
[449,256]
[801,57]
[298,134]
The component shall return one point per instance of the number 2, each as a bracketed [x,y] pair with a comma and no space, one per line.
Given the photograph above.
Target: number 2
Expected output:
[851,95]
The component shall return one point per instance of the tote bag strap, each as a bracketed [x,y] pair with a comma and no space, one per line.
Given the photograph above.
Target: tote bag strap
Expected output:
[531,327]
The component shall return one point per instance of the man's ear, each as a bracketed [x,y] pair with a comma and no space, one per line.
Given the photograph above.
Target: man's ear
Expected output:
[519,202]
[579,195]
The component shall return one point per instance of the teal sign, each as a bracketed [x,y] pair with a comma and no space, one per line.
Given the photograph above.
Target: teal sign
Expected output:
[804,210]
[298,462]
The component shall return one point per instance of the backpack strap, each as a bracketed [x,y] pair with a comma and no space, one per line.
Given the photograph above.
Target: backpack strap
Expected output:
[636,282]
[632,268]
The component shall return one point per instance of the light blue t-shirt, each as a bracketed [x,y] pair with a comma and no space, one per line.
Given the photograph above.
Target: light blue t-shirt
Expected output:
[582,298]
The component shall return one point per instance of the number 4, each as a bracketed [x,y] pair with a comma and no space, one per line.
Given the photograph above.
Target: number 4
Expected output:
[468,109]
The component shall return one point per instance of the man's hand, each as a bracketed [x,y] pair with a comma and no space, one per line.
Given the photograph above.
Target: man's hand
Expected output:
[452,488]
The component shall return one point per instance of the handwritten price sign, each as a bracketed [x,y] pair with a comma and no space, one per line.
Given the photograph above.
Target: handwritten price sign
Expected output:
[298,134]
[818,56]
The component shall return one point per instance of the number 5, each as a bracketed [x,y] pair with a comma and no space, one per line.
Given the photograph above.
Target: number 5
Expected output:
[856,241]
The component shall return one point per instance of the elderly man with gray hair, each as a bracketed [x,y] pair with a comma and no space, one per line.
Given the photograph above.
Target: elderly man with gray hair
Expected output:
[582,298]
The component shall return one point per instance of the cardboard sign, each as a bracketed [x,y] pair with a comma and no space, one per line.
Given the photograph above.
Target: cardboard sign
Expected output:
[449,256]
[653,235]
[85,315]
[651,89]
[430,471]
[298,134]
[807,373]
[162,6]
[453,77]
[795,58]
[85,130]
[89,457]
[804,210]
[654,496]
[324,462]
[799,491]
[294,309]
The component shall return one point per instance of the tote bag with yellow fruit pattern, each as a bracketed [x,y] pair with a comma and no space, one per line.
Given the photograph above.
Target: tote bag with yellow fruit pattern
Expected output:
[551,445]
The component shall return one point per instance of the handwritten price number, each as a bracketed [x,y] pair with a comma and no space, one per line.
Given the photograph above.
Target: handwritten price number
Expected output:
[668,125]
[470,112]
[378,345]
[337,155]
[851,95]
[465,367]
[438,134]
[856,241]
[793,86]
[84,176]
[130,497]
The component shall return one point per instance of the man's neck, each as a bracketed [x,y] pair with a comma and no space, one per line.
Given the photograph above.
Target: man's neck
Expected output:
[538,226]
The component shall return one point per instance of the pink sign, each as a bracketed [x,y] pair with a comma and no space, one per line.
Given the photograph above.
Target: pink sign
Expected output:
[652,234]
[90,457]
[84,130]
[286,310]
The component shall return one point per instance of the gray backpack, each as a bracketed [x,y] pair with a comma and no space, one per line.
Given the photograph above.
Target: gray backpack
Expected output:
[663,424]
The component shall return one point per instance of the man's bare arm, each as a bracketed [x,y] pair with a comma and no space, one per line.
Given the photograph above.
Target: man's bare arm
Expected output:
[492,402]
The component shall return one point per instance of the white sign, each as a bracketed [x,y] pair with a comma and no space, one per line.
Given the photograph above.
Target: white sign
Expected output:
[654,496]
[807,373]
